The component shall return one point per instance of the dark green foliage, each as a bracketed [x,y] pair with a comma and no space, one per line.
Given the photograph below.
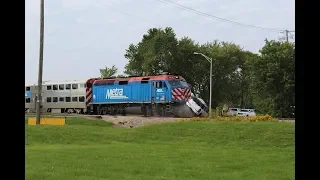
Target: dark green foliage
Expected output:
[241,78]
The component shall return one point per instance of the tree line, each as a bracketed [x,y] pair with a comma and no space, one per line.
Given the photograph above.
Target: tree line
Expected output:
[264,81]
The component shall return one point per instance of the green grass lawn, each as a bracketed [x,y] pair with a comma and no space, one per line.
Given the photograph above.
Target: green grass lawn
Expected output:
[94,150]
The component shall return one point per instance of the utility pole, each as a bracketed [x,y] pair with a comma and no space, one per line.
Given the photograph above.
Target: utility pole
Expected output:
[286,33]
[39,99]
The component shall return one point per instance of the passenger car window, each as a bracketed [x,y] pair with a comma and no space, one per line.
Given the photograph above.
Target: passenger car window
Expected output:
[74,86]
[61,86]
[81,99]
[68,86]
[74,99]
[55,87]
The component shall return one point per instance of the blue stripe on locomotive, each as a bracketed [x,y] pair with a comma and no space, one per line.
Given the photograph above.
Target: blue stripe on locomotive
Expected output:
[133,92]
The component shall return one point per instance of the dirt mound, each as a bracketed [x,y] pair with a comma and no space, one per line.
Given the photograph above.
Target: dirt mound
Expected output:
[136,121]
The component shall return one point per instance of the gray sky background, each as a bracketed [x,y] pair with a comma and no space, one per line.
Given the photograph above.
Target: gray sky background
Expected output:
[82,36]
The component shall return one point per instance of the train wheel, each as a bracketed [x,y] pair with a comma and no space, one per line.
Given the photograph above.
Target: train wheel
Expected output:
[150,110]
[101,111]
[144,110]
[111,111]
[159,110]
[163,111]
[123,112]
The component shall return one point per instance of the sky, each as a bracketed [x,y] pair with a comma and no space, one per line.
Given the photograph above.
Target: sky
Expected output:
[83,36]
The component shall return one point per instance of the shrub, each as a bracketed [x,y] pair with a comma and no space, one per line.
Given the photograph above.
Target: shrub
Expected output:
[259,118]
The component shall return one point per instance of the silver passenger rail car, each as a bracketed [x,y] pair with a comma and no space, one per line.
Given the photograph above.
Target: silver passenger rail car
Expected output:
[57,97]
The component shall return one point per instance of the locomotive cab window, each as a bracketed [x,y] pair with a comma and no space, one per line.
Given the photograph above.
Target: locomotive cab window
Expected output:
[61,99]
[68,99]
[61,86]
[68,86]
[27,88]
[48,99]
[55,87]
[154,84]
[49,88]
[81,99]
[82,85]
[159,84]
[28,100]
[74,86]
[178,83]
[164,84]
[74,99]
[55,99]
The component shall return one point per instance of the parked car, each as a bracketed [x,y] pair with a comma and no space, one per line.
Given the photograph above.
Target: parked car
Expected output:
[233,111]
[246,113]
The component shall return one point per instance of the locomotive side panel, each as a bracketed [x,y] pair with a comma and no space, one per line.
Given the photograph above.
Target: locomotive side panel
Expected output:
[112,94]
[135,93]
[144,92]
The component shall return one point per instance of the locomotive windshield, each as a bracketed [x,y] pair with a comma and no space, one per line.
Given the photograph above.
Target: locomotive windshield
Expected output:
[178,83]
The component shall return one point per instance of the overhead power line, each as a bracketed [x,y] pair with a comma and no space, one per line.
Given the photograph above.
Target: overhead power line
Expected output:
[180,6]
[125,13]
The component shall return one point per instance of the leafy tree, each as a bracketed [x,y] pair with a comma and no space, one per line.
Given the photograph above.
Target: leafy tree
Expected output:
[240,78]
[153,54]
[108,72]
[120,76]
[273,79]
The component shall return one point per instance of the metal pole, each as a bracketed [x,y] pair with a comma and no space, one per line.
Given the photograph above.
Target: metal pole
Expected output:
[40,61]
[210,103]
[210,89]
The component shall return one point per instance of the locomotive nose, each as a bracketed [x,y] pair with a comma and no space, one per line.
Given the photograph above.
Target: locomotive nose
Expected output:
[181,94]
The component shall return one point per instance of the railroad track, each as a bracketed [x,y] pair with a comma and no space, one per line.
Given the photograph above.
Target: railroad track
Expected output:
[94,116]
[129,115]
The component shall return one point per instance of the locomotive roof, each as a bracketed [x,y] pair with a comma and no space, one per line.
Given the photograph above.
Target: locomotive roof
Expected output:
[140,78]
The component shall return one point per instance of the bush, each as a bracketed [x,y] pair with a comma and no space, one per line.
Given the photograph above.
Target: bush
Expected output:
[260,118]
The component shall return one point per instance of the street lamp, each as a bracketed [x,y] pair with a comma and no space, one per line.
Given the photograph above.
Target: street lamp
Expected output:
[210,61]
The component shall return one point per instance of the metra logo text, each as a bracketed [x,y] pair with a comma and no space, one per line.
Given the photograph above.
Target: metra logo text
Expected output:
[115,94]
